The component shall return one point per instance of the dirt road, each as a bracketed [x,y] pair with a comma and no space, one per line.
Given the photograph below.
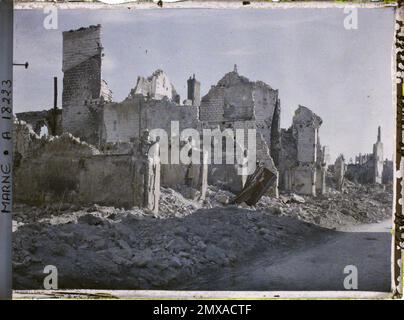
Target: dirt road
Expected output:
[319,265]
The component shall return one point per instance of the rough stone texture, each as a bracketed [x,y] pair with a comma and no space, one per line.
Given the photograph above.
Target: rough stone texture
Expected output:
[237,103]
[236,98]
[157,86]
[322,163]
[302,164]
[339,172]
[25,139]
[51,119]
[229,173]
[146,179]
[66,169]
[123,122]
[83,90]
[25,142]
[192,175]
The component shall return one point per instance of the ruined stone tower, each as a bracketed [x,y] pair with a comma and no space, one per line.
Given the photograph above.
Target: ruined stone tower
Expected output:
[378,157]
[83,89]
[194,91]
[303,161]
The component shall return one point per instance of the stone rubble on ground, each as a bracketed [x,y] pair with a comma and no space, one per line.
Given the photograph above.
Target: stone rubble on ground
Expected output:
[184,243]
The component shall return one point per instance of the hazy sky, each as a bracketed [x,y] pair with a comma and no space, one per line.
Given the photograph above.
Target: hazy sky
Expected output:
[342,75]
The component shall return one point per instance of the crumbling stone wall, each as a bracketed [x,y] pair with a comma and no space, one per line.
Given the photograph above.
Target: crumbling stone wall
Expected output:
[51,119]
[192,175]
[238,103]
[301,155]
[227,174]
[68,170]
[321,168]
[157,86]
[83,90]
[123,122]
[339,172]
[378,158]
[231,99]
[147,173]
[25,142]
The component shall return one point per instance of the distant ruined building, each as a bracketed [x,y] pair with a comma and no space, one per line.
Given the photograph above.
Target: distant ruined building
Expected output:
[121,132]
[371,167]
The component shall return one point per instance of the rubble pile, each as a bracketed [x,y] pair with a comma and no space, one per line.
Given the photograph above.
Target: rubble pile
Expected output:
[356,204]
[185,243]
[127,250]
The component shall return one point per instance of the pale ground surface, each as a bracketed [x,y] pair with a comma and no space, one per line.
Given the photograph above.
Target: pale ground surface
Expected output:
[319,265]
[313,268]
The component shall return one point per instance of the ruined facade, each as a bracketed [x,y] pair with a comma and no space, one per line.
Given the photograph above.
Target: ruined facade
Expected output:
[339,172]
[154,105]
[65,169]
[234,103]
[237,101]
[303,160]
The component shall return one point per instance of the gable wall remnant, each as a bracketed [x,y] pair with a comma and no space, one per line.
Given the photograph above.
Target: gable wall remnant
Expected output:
[238,103]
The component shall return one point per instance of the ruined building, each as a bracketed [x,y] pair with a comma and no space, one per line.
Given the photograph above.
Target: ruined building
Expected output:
[303,162]
[378,158]
[371,167]
[339,172]
[234,103]
[65,169]
[134,130]
[194,92]
[46,121]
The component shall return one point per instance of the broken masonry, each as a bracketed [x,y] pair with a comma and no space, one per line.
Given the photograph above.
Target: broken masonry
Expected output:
[104,151]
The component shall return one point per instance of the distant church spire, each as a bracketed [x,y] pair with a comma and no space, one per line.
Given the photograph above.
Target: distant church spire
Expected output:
[379,134]
[235,68]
